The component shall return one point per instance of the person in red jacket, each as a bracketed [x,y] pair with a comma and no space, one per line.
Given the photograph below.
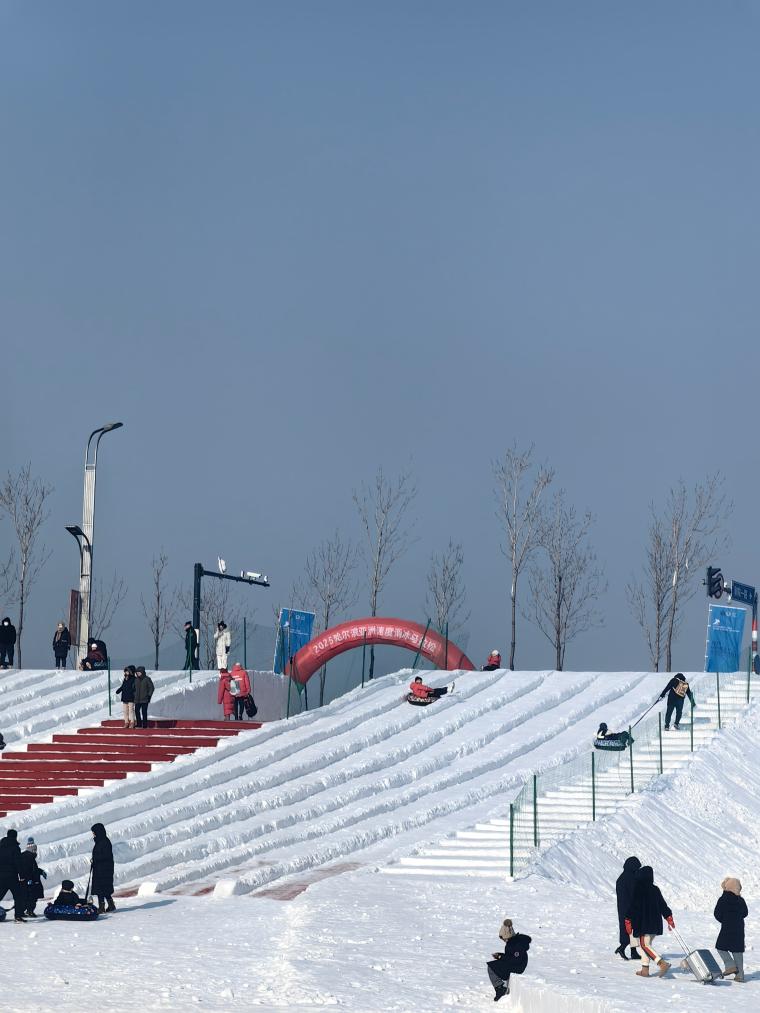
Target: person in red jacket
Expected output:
[223,695]
[494,662]
[240,687]
[423,692]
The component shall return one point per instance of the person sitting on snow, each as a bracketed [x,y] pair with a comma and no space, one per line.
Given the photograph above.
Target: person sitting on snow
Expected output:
[494,662]
[513,960]
[66,895]
[96,657]
[423,692]
[606,739]
[677,690]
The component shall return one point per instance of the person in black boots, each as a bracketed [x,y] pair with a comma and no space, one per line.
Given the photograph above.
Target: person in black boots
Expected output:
[644,919]
[624,891]
[10,876]
[677,690]
[143,692]
[61,644]
[7,643]
[30,873]
[191,647]
[514,960]
[102,869]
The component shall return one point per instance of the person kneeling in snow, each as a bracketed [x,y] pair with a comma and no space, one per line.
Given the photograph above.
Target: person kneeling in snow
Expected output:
[514,960]
[646,910]
[423,692]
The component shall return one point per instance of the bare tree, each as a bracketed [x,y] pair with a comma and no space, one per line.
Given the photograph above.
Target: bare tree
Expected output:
[382,509]
[446,594]
[329,571]
[520,511]
[105,604]
[682,539]
[23,499]
[215,607]
[161,608]
[649,598]
[564,590]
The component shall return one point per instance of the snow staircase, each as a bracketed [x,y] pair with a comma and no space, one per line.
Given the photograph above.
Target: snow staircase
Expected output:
[70,763]
[483,851]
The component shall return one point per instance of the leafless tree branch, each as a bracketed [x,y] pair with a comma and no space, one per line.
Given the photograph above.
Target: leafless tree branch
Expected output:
[23,499]
[105,604]
[446,595]
[329,584]
[161,609]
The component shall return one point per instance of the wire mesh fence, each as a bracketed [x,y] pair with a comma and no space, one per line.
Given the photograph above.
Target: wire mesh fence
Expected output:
[583,789]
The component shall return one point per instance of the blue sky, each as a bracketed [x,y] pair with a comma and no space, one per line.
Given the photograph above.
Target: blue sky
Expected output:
[287,243]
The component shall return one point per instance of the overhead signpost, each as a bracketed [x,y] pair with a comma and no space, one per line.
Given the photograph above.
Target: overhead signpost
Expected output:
[741,594]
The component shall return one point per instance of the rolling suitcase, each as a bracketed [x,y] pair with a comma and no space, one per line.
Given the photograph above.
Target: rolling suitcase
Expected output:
[701,963]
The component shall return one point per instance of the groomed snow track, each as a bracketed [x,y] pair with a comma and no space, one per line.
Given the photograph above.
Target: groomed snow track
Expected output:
[361,781]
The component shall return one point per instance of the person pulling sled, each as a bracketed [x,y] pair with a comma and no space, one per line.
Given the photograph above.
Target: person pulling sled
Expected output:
[677,690]
[421,695]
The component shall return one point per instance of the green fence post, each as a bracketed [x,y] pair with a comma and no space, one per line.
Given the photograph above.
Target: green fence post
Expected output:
[422,641]
[446,650]
[630,747]
[659,732]
[245,645]
[535,810]
[290,683]
[717,684]
[512,840]
[691,726]
[109,689]
[593,787]
[749,669]
[364,656]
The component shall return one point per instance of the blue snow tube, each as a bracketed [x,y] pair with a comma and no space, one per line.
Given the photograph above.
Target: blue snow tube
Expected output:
[69,913]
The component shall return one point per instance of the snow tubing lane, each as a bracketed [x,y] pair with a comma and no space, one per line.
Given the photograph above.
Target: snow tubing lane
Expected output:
[394,632]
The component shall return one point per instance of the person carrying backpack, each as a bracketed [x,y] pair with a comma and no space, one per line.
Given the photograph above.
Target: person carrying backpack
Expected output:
[677,690]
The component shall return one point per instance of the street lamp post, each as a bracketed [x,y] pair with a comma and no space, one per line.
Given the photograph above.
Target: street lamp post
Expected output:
[84,536]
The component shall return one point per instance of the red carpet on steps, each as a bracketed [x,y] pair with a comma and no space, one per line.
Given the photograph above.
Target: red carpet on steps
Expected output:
[47,770]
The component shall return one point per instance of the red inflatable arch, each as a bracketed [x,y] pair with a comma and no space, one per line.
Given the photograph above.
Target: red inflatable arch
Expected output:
[396,632]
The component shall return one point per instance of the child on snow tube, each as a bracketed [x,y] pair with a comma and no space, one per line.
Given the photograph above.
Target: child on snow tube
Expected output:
[68,906]
[615,741]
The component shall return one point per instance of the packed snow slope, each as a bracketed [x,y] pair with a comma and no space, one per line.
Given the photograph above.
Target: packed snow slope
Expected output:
[354,781]
[350,937]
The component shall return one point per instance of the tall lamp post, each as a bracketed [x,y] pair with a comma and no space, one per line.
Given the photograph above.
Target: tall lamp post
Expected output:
[84,536]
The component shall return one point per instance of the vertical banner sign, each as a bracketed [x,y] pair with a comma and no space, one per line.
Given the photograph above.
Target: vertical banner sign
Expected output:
[294,629]
[74,617]
[725,629]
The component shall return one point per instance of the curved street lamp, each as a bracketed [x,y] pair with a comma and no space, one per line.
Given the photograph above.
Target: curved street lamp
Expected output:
[84,536]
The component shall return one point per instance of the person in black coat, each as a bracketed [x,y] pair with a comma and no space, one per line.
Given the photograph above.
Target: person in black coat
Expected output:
[677,690]
[624,890]
[61,644]
[96,658]
[102,869]
[66,895]
[644,917]
[730,911]
[514,960]
[7,643]
[191,647]
[32,876]
[127,693]
[10,878]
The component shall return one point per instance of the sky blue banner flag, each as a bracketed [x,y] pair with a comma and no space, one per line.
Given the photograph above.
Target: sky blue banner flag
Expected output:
[725,629]
[293,631]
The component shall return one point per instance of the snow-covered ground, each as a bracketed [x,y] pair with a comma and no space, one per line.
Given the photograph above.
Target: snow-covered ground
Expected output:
[300,817]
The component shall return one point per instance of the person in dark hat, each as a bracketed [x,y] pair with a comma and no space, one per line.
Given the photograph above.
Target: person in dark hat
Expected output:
[102,869]
[66,895]
[624,890]
[31,876]
[191,647]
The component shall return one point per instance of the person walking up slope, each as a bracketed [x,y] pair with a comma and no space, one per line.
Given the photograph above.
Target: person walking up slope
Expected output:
[677,690]
[644,919]
[730,911]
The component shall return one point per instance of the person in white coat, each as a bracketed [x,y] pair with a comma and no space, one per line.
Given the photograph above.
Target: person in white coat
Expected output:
[222,642]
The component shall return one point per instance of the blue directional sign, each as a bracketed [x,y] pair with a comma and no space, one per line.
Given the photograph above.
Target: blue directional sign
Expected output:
[744,593]
[725,627]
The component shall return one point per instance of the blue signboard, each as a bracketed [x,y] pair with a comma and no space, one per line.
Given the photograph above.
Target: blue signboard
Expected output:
[293,631]
[742,592]
[725,629]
